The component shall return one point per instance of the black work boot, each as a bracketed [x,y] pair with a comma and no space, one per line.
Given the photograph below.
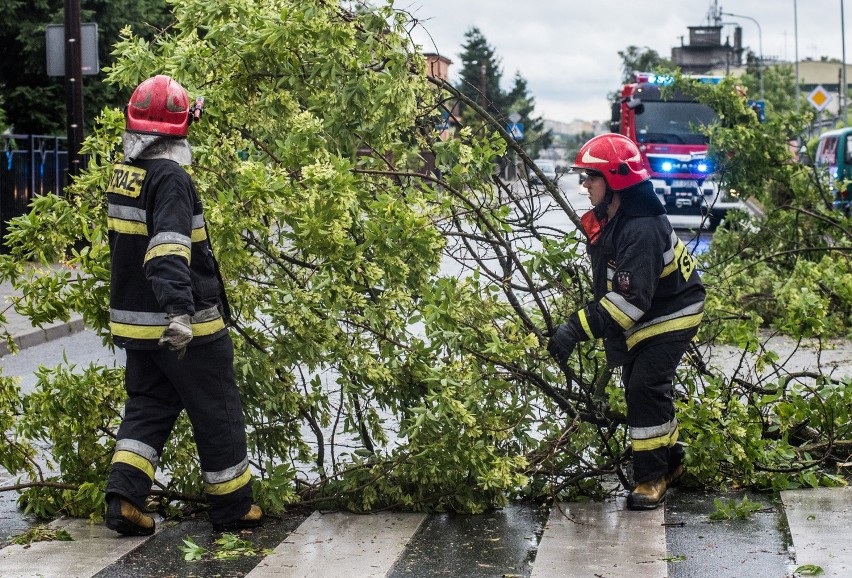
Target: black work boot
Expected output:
[252,519]
[647,495]
[127,519]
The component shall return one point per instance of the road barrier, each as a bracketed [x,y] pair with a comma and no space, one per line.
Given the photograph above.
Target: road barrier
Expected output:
[30,165]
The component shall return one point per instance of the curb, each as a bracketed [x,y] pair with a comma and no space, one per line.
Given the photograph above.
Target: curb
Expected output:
[38,336]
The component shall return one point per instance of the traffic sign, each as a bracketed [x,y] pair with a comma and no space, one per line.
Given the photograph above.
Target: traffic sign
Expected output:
[759,108]
[819,97]
[516,129]
[55,45]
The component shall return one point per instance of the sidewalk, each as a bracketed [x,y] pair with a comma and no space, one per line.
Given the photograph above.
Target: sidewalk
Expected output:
[22,330]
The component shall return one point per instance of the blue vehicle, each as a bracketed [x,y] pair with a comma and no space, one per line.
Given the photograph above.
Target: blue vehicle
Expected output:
[834,156]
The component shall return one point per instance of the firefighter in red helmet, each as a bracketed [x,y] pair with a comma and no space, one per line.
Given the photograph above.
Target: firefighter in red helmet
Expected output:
[169,311]
[648,303]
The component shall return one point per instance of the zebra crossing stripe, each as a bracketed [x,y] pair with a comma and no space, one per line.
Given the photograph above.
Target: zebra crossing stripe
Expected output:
[820,520]
[94,546]
[341,544]
[602,539]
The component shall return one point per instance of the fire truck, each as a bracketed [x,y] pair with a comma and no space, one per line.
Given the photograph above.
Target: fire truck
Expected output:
[662,121]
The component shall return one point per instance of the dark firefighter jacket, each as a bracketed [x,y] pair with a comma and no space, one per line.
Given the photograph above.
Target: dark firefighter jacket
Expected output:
[162,262]
[646,287]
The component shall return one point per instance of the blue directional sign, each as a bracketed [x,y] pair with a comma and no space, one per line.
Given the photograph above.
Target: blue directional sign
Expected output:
[759,108]
[445,121]
[516,129]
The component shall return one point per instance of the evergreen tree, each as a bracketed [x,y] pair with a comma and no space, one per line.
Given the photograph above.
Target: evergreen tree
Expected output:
[476,52]
[519,101]
[481,68]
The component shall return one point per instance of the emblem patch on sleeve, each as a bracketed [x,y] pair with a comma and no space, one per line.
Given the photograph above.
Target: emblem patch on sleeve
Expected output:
[623,281]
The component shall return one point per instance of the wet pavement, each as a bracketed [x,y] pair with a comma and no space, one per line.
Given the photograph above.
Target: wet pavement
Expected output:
[573,540]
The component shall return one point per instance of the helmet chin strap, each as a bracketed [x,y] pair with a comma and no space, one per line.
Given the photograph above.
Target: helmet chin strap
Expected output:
[602,208]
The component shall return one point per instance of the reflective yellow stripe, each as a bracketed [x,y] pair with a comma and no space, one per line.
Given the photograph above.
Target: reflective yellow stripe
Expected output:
[155,331]
[678,250]
[664,327]
[135,460]
[617,314]
[136,331]
[199,235]
[223,488]
[208,327]
[682,261]
[168,249]
[128,227]
[584,321]
[663,441]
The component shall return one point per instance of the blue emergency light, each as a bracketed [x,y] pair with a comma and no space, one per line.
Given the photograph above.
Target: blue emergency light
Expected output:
[665,79]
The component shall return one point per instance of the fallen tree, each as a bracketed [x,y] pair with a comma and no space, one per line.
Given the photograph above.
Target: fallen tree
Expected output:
[392,296]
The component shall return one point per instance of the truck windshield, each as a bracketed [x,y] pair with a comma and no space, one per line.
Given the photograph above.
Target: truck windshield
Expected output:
[673,122]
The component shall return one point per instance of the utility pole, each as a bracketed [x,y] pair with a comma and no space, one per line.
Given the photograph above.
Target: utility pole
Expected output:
[73,87]
[760,46]
[845,86]
[483,67]
[796,44]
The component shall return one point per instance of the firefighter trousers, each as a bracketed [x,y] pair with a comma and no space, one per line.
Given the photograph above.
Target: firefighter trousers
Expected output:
[159,386]
[649,388]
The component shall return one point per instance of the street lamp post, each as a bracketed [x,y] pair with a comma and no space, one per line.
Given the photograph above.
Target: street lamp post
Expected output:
[845,93]
[796,42]
[760,47]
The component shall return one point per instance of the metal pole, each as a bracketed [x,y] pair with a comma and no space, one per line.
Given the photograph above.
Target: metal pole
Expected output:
[845,92]
[796,43]
[482,69]
[73,86]
[759,44]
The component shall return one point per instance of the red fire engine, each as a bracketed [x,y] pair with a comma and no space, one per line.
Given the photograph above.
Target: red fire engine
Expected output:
[662,122]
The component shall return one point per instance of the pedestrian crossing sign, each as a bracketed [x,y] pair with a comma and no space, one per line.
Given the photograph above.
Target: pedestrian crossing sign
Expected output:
[516,129]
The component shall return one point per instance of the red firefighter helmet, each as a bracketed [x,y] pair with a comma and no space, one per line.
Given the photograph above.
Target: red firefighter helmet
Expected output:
[614,156]
[158,106]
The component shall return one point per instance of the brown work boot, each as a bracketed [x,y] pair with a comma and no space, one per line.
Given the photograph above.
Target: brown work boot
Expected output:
[127,519]
[252,519]
[647,495]
[673,476]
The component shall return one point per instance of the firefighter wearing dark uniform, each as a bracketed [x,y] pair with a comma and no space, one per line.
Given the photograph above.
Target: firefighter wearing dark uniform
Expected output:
[168,310]
[648,303]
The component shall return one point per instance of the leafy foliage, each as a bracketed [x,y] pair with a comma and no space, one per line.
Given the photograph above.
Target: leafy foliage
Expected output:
[392,297]
[733,510]
[42,533]
[226,547]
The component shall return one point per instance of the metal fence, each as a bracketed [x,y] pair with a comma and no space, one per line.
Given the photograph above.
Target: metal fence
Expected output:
[30,165]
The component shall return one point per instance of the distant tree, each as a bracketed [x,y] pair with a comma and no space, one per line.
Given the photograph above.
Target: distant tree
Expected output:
[476,54]
[500,104]
[635,58]
[779,86]
[33,101]
[519,100]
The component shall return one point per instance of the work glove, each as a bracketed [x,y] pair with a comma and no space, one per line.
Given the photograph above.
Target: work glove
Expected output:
[178,334]
[563,341]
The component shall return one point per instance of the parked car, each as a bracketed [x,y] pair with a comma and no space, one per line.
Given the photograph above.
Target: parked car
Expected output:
[546,166]
[834,156]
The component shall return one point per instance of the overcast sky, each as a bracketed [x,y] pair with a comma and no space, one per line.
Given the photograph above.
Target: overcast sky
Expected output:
[567,50]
